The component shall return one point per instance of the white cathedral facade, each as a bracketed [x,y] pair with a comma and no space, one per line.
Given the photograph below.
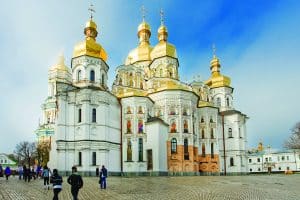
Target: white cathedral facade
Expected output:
[150,122]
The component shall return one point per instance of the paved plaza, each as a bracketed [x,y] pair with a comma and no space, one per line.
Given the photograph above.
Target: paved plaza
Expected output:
[188,187]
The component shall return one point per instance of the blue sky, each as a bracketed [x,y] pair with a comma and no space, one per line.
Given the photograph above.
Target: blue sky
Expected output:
[257,42]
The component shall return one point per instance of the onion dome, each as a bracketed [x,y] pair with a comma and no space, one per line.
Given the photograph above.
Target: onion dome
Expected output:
[163,48]
[217,79]
[143,51]
[89,46]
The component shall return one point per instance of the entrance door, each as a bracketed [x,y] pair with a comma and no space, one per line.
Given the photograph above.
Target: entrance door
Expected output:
[149,158]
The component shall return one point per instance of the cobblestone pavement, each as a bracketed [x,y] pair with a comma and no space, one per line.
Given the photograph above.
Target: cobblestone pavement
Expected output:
[190,187]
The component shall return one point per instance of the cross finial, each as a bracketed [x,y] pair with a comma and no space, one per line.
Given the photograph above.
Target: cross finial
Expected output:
[143,11]
[214,50]
[91,9]
[161,17]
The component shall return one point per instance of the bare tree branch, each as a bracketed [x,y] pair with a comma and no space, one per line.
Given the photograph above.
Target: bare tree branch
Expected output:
[293,142]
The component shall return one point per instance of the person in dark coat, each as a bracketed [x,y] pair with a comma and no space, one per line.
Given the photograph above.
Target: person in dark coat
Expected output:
[103,176]
[76,183]
[1,171]
[56,180]
[7,172]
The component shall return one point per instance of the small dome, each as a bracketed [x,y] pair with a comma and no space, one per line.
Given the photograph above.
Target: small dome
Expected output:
[91,24]
[144,26]
[162,29]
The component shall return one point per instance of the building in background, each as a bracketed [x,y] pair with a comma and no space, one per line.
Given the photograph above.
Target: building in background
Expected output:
[6,161]
[150,122]
[265,160]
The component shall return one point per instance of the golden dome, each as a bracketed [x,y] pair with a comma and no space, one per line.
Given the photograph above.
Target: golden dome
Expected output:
[143,51]
[144,26]
[163,48]
[91,24]
[89,46]
[60,65]
[217,79]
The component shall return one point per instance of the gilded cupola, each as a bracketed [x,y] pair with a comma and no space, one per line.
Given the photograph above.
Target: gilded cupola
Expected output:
[89,47]
[143,51]
[163,48]
[217,79]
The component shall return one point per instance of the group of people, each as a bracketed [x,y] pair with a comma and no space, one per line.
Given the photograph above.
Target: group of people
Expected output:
[6,172]
[75,180]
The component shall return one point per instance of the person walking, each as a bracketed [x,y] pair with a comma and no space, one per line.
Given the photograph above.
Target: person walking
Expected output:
[46,174]
[103,176]
[7,172]
[1,171]
[20,171]
[56,180]
[76,183]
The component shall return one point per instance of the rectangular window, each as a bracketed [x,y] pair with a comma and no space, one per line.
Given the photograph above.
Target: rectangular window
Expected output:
[287,158]
[79,158]
[94,158]
[140,149]
[266,159]
[186,149]
[258,159]
[212,150]
[270,159]
[94,112]
[79,115]
[250,160]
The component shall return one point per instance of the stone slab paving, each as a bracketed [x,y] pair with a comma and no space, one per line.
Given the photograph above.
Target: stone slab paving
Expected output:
[159,188]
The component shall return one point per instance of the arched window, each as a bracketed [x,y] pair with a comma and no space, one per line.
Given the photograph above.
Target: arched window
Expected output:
[102,79]
[202,120]
[160,72]
[184,112]
[140,126]
[227,101]
[185,127]
[79,115]
[129,151]
[131,83]
[230,132]
[92,75]
[140,149]
[128,126]
[211,120]
[141,85]
[79,75]
[202,134]
[231,162]
[212,133]
[212,150]
[203,150]
[173,145]
[120,81]
[219,101]
[94,114]
[186,149]
[173,127]
[140,110]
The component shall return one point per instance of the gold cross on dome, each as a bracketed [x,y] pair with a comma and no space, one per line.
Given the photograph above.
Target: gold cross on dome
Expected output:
[143,11]
[161,16]
[91,9]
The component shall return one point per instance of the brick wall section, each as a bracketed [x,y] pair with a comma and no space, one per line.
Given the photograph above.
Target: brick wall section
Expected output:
[196,163]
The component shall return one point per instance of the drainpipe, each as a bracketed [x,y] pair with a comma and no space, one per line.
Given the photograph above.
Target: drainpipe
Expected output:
[224,154]
[121,135]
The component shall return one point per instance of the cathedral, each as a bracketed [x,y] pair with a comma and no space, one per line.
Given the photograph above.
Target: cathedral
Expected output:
[149,122]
